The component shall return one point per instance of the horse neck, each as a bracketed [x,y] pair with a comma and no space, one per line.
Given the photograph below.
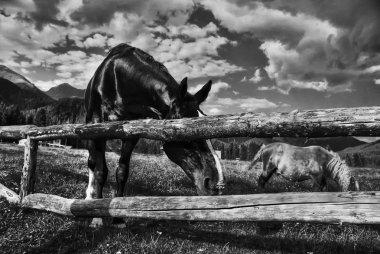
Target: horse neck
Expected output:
[339,172]
[164,93]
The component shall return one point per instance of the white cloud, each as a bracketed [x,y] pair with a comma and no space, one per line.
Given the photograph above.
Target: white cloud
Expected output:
[215,111]
[248,104]
[266,88]
[66,8]
[215,88]
[262,21]
[303,51]
[97,40]
[18,6]
[191,30]
[64,74]
[73,67]
[257,76]
[25,71]
[136,26]
[204,67]
[373,69]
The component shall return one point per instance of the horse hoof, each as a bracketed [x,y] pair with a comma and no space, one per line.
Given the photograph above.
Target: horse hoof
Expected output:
[96,223]
[118,223]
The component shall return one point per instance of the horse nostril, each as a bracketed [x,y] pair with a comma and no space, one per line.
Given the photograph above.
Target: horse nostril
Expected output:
[207,183]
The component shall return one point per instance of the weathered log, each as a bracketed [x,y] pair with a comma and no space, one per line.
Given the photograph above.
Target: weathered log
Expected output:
[309,123]
[28,177]
[335,207]
[14,132]
[9,194]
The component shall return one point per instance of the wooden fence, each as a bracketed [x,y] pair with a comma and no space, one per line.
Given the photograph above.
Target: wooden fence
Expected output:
[357,207]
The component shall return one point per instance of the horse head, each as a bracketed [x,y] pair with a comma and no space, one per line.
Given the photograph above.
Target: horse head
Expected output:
[196,157]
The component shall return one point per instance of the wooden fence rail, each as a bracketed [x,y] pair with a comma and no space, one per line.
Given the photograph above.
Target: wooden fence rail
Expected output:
[363,121]
[338,207]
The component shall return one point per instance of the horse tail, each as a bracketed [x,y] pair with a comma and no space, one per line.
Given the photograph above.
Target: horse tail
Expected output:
[256,158]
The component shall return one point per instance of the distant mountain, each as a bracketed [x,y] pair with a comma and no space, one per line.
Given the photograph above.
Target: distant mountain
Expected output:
[16,78]
[65,91]
[15,89]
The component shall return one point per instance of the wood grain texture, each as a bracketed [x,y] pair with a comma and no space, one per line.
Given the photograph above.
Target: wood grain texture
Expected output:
[15,132]
[9,195]
[310,123]
[28,177]
[364,121]
[335,207]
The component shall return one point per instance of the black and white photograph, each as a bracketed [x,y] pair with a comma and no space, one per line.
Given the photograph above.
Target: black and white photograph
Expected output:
[189,126]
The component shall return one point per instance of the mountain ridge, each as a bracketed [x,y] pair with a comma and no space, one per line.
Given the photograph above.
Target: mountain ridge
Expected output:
[65,90]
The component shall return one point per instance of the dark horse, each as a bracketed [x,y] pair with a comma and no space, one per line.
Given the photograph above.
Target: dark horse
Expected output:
[129,84]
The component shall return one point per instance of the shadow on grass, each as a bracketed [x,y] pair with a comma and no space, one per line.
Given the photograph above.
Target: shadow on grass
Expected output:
[257,241]
[71,240]
[240,186]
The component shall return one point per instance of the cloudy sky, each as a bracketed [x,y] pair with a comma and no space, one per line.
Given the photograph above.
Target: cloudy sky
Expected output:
[269,55]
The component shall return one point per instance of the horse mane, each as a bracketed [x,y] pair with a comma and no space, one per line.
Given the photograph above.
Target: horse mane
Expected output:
[339,171]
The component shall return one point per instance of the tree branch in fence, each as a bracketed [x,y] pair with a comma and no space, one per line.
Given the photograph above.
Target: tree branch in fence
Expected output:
[28,177]
[9,195]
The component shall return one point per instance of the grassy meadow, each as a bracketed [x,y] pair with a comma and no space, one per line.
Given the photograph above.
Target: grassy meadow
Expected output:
[64,173]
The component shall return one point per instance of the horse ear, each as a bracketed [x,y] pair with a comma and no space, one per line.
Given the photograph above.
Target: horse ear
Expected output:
[182,88]
[202,94]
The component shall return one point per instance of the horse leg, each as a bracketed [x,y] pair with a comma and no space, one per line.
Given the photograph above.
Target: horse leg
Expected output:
[265,175]
[323,186]
[97,173]
[123,171]
[319,184]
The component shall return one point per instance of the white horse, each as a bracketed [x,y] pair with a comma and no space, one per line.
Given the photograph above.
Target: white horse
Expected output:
[304,163]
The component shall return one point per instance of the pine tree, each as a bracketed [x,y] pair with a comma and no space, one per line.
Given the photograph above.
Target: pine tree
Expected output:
[243,152]
[40,117]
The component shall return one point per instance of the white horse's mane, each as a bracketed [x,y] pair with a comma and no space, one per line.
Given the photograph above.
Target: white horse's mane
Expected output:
[339,170]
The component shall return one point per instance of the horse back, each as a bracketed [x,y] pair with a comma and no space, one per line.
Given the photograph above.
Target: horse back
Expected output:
[286,157]
[128,77]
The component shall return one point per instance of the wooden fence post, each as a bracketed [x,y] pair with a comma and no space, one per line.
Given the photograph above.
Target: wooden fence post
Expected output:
[29,169]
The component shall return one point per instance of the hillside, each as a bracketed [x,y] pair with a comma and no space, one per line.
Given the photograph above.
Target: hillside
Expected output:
[28,98]
[373,147]
[65,91]
[367,154]
[15,78]
[17,90]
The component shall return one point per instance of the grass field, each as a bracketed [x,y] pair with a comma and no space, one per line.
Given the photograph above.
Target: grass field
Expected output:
[64,173]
